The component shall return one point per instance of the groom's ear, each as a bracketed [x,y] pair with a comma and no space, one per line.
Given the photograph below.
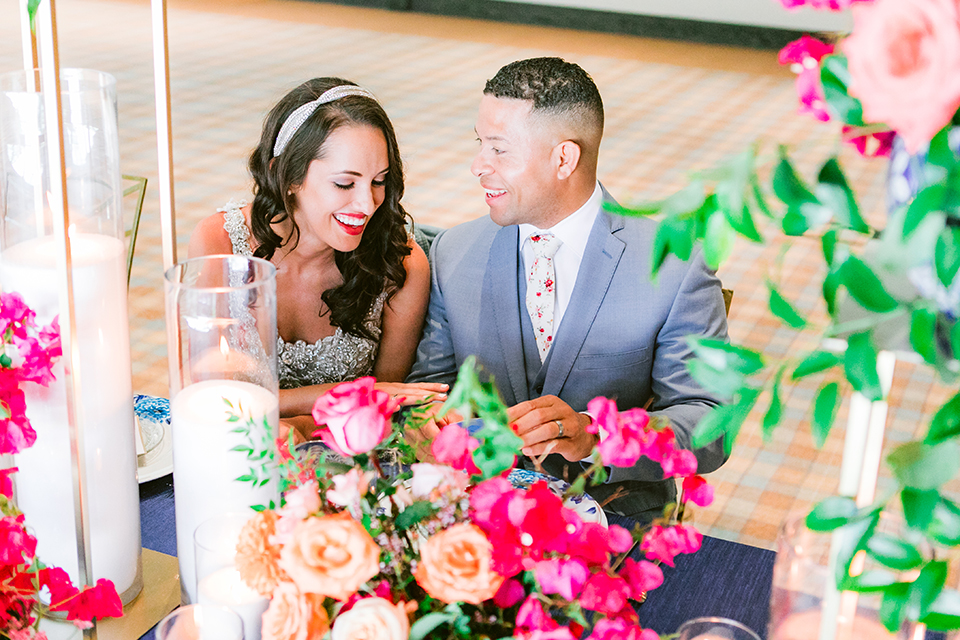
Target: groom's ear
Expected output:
[567,158]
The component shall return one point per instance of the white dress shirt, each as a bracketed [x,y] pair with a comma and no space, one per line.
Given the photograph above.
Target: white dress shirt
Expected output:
[573,231]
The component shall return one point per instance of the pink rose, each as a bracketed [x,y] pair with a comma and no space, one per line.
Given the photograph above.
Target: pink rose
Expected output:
[372,619]
[357,416]
[904,60]
[697,491]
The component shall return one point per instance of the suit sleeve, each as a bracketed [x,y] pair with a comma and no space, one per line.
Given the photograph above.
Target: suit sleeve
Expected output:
[697,310]
[436,359]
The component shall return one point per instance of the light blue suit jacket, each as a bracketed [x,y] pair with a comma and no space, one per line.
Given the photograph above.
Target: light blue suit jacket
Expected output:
[622,335]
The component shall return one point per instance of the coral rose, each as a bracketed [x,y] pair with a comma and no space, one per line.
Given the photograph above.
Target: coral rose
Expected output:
[455,565]
[330,555]
[372,619]
[356,415]
[294,616]
[257,558]
[904,59]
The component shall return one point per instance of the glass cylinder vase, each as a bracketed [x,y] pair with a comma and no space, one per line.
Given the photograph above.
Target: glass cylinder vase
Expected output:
[224,393]
[28,266]
[801,604]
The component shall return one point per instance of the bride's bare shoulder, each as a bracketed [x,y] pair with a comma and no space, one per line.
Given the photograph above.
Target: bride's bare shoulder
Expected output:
[209,237]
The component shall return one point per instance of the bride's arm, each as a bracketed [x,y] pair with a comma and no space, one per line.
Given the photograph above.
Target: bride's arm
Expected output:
[403,320]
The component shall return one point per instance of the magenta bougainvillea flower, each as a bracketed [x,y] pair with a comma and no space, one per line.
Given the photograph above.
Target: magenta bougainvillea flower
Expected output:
[804,56]
[697,491]
[666,543]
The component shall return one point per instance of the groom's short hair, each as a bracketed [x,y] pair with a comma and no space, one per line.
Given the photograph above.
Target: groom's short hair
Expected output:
[555,87]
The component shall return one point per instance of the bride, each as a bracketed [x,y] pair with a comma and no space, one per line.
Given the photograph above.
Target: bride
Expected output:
[352,285]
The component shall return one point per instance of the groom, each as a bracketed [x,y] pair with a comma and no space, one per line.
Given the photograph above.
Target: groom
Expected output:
[553,294]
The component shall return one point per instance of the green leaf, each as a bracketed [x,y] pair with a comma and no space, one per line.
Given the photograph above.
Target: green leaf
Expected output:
[871,581]
[414,514]
[892,610]
[685,201]
[828,242]
[5,361]
[945,524]
[259,508]
[865,287]
[835,194]
[824,412]
[835,78]
[674,236]
[947,255]
[816,362]
[919,506]
[893,552]
[773,415]
[428,623]
[939,152]
[928,199]
[781,308]
[922,466]
[955,340]
[926,588]
[794,223]
[860,366]
[923,326]
[832,513]
[758,196]
[831,282]
[944,613]
[718,240]
[725,420]
[724,383]
[788,186]
[724,356]
[742,222]
[946,422]
[247,477]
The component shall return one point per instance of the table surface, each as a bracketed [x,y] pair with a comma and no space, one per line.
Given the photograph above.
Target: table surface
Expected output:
[724,578]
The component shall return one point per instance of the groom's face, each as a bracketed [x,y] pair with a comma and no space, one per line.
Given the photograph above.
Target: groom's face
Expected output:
[514,163]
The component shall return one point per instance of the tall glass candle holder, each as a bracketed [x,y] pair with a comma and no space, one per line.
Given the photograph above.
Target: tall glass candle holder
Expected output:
[28,265]
[224,393]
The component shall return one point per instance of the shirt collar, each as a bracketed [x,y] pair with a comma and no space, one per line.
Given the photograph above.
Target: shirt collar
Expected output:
[574,230]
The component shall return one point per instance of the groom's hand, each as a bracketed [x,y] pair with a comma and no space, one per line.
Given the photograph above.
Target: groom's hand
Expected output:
[538,421]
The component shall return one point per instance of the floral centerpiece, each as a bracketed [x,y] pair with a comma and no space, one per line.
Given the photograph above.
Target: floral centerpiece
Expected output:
[894,81]
[452,549]
[28,588]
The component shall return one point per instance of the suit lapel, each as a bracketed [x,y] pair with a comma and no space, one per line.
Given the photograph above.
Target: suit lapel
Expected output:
[503,328]
[600,259]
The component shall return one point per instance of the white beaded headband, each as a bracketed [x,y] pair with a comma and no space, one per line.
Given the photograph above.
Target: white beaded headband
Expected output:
[296,119]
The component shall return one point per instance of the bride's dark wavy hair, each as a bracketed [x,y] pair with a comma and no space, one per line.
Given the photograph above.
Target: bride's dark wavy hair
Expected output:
[374,266]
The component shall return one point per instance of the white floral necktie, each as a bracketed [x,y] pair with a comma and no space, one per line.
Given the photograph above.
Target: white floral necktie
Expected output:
[541,289]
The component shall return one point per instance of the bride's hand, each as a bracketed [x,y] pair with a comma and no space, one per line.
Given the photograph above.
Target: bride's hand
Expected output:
[414,394]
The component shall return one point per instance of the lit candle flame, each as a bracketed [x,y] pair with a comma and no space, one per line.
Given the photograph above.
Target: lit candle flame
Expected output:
[224,348]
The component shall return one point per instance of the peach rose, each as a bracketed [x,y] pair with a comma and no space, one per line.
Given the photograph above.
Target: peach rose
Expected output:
[330,555]
[257,558]
[294,616]
[904,59]
[455,565]
[372,619]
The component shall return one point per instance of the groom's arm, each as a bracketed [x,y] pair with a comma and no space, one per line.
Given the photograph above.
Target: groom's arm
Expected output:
[697,310]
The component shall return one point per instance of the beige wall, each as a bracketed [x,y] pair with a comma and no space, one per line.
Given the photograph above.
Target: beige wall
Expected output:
[765,13]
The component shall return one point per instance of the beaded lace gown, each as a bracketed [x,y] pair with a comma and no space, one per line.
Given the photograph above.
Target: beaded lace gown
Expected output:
[336,358]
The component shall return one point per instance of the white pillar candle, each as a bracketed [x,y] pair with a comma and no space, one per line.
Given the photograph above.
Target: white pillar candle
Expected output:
[45,479]
[226,588]
[204,466]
